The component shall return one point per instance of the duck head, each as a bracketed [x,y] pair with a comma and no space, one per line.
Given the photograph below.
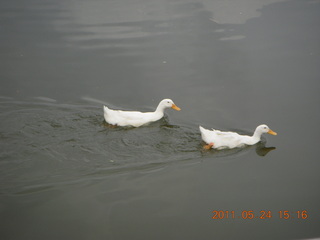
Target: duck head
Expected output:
[168,103]
[265,129]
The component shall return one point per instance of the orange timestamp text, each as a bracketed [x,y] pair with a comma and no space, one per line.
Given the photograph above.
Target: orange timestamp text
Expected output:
[263,214]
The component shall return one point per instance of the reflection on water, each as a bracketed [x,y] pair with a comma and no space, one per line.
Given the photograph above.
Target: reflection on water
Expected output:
[260,149]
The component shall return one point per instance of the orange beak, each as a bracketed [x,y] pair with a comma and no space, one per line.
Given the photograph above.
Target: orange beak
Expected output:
[175,107]
[272,132]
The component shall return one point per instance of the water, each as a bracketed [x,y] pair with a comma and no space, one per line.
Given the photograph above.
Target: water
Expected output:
[66,174]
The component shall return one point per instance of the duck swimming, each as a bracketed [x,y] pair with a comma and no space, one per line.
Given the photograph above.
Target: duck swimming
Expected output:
[219,140]
[135,118]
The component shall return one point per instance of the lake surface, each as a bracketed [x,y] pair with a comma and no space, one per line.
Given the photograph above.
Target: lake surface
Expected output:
[230,65]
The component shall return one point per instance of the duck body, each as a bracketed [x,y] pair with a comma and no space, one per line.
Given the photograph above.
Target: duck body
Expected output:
[220,140]
[136,118]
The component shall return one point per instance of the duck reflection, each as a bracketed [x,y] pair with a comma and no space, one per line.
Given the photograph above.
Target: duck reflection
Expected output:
[262,150]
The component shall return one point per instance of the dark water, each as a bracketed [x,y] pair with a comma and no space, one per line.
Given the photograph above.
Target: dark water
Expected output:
[64,174]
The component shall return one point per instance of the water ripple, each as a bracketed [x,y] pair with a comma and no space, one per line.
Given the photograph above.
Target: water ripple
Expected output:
[49,143]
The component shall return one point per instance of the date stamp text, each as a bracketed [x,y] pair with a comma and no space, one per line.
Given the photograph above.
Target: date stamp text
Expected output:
[263,214]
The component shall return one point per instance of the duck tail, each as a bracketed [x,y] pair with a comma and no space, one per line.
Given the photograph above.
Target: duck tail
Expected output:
[201,128]
[105,109]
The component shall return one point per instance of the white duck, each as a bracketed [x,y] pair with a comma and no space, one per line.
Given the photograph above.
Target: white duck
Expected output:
[135,118]
[219,140]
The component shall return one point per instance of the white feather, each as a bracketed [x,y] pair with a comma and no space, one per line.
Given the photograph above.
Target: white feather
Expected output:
[220,140]
[135,118]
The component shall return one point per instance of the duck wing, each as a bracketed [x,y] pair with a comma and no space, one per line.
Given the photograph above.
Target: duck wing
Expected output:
[127,118]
